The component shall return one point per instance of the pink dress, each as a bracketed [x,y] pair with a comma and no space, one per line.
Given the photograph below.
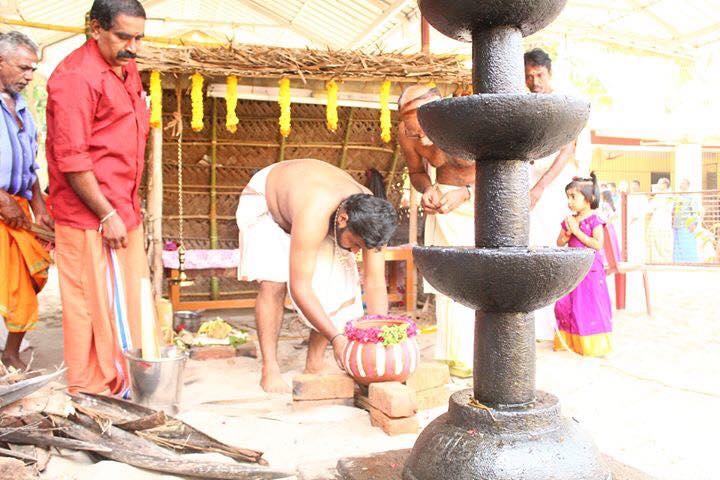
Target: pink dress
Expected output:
[584,316]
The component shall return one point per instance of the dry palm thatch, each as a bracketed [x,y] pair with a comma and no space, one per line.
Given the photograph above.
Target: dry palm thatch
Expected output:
[273,62]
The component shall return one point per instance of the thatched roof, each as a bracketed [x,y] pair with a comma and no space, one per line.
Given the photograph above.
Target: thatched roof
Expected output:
[272,62]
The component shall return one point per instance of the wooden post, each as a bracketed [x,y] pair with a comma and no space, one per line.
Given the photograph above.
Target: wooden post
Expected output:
[424,36]
[346,139]
[281,154]
[413,240]
[214,282]
[155,209]
[393,167]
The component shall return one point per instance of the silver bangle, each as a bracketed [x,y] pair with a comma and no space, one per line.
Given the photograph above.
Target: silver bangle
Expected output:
[107,217]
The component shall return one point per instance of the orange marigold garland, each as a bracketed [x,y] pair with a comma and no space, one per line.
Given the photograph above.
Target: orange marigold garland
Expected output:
[385,119]
[284,101]
[196,95]
[231,97]
[332,107]
[155,100]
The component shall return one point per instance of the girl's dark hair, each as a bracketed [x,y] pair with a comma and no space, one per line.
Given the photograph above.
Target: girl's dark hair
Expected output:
[608,198]
[589,189]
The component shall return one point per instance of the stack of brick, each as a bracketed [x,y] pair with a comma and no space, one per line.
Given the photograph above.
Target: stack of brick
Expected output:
[393,406]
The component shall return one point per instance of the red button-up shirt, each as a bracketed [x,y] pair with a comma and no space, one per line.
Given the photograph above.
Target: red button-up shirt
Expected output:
[95,121]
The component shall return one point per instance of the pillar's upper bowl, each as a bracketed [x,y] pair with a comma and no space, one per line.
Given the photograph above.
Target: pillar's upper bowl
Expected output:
[512,279]
[458,18]
[491,127]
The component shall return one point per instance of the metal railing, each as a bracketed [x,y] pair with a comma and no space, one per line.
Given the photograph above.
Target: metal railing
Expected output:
[670,228]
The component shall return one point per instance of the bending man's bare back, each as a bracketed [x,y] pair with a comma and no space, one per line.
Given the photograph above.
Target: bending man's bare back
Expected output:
[326,216]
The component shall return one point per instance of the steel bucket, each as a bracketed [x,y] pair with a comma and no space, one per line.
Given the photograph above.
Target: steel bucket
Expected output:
[157,383]
[188,320]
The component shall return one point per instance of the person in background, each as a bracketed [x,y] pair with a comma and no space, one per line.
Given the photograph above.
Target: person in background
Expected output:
[24,263]
[584,316]
[637,216]
[685,208]
[660,224]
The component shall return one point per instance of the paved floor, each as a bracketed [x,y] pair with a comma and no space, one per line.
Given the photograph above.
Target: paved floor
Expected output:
[652,404]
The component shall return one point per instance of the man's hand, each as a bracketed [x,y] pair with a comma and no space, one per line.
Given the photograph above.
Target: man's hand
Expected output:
[114,232]
[11,214]
[453,199]
[535,194]
[431,201]
[339,343]
[45,221]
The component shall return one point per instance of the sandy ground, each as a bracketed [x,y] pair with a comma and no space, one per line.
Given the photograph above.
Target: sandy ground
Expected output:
[652,404]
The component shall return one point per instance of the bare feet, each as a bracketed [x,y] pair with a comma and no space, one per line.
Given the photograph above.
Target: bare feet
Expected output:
[272,382]
[315,365]
[11,360]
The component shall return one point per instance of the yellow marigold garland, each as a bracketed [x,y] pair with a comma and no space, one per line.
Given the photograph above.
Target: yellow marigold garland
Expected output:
[231,97]
[196,95]
[155,100]
[284,101]
[385,119]
[332,106]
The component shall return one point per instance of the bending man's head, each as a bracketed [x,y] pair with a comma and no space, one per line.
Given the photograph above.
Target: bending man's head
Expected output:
[365,220]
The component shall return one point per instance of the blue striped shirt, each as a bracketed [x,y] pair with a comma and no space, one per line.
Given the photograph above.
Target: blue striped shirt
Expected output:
[18,148]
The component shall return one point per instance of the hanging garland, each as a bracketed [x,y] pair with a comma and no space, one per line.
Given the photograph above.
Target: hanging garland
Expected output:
[231,97]
[385,119]
[155,100]
[284,101]
[332,107]
[196,95]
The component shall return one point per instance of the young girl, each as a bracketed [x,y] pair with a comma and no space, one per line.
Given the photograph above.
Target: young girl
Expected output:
[584,315]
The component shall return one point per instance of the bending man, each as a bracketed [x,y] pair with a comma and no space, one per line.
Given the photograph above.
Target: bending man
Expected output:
[301,223]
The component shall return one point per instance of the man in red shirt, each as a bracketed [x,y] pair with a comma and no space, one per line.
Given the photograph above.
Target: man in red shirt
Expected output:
[98,123]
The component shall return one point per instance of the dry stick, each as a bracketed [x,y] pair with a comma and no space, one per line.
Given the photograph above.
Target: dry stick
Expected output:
[27,437]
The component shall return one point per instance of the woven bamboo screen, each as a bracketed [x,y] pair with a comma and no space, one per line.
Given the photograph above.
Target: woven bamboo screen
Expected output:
[355,146]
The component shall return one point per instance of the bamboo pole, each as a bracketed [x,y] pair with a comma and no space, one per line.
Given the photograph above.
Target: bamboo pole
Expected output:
[346,139]
[413,240]
[393,167]
[155,208]
[214,282]
[281,153]
[287,145]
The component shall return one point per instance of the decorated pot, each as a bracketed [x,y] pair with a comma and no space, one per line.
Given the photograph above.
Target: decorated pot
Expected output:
[381,348]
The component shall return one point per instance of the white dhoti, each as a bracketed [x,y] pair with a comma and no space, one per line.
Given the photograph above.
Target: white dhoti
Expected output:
[265,256]
[545,220]
[455,322]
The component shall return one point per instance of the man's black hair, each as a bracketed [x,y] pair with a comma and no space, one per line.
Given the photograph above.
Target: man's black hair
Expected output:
[106,11]
[539,58]
[373,218]
[589,189]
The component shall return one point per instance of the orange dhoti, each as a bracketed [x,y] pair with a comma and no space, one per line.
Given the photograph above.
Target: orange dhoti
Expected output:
[101,314]
[24,267]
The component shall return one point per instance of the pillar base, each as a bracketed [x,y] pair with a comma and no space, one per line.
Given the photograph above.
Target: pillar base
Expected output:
[527,443]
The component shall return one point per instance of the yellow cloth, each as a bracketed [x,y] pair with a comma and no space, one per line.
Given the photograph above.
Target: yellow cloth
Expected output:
[455,322]
[588,346]
[24,267]
[265,256]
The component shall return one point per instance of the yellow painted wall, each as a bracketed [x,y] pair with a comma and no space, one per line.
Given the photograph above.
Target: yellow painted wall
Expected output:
[616,164]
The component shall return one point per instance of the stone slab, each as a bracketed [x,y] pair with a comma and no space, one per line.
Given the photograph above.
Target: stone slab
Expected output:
[389,466]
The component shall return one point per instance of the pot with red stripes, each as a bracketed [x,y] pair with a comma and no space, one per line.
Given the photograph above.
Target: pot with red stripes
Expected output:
[381,348]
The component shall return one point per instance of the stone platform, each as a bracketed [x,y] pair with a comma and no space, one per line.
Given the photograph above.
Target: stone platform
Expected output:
[389,466]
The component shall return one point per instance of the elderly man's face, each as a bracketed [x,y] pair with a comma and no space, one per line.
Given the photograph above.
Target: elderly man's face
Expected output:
[122,42]
[537,79]
[17,69]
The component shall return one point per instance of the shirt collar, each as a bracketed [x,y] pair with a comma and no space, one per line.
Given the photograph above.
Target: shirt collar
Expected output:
[20,103]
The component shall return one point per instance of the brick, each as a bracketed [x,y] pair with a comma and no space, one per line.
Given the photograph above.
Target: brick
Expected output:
[304,405]
[323,387]
[432,398]
[393,399]
[429,375]
[214,352]
[247,349]
[393,426]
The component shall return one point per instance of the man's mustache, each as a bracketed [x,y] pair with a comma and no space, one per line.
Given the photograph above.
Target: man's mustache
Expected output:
[126,54]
